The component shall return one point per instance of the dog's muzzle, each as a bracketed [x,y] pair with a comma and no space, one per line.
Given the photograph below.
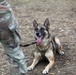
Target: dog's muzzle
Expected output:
[39,37]
[39,40]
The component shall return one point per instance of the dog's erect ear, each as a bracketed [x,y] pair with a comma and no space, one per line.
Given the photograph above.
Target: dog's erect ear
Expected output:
[35,24]
[47,23]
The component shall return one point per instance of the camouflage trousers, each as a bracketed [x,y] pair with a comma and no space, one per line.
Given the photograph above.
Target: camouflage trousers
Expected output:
[9,37]
[17,67]
[16,58]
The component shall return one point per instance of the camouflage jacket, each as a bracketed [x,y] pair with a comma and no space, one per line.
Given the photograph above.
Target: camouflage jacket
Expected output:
[7,22]
[2,1]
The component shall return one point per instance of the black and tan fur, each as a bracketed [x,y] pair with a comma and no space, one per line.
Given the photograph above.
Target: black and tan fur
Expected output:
[47,48]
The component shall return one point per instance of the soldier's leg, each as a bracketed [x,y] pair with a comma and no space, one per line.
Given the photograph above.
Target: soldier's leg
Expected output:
[22,67]
[19,59]
[14,68]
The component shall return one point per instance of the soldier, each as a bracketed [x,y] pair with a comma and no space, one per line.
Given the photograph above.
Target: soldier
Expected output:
[10,39]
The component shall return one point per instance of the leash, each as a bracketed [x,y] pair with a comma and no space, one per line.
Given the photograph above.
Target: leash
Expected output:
[26,45]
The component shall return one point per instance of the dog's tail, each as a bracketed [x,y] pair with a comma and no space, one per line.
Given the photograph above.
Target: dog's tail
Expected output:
[56,44]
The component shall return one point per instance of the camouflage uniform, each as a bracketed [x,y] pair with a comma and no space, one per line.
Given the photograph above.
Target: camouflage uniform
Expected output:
[10,40]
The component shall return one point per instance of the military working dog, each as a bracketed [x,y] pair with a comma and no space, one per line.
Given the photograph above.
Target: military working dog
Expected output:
[46,45]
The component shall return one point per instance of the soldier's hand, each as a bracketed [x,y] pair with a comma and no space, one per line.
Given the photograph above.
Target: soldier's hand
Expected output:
[3,8]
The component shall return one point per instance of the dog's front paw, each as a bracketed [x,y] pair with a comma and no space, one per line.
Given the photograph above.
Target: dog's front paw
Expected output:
[30,68]
[45,71]
[61,53]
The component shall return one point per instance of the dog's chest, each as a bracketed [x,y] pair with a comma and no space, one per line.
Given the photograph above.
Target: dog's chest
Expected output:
[43,57]
[43,53]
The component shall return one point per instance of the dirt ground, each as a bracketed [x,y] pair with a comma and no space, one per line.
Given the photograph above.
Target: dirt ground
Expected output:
[62,17]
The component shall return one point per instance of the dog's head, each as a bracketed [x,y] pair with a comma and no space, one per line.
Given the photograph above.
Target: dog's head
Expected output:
[41,32]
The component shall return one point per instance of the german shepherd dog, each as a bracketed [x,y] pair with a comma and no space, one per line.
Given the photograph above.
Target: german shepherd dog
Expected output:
[46,45]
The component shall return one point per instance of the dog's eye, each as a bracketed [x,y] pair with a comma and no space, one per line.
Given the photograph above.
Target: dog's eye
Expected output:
[36,29]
